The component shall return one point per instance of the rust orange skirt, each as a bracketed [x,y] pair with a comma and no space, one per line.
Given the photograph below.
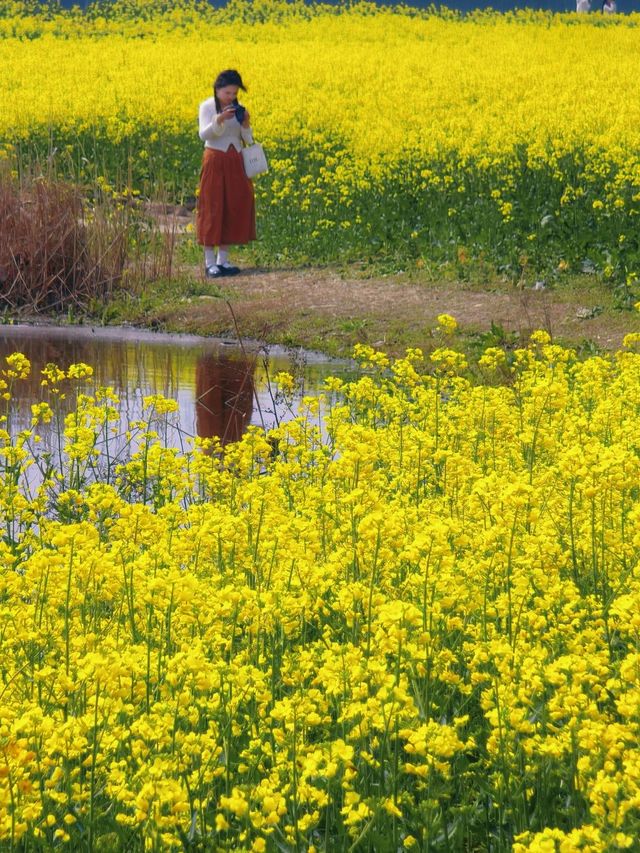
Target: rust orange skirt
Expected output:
[226,206]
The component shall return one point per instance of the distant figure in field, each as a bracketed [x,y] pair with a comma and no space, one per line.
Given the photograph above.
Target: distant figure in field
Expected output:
[226,207]
[609,7]
[583,5]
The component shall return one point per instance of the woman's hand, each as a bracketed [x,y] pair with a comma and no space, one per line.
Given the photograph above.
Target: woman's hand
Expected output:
[226,115]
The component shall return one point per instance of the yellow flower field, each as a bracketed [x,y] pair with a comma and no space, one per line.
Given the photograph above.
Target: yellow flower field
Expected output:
[408,619]
[391,133]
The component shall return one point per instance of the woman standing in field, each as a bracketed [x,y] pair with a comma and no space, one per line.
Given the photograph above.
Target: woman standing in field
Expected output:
[226,206]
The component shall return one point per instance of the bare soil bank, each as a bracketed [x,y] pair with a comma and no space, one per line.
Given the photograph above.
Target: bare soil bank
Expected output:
[330,310]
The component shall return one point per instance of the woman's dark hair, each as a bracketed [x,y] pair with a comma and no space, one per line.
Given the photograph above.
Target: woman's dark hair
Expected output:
[230,77]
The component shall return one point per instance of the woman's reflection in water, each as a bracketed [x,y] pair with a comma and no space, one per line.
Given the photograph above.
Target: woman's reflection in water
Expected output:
[224,396]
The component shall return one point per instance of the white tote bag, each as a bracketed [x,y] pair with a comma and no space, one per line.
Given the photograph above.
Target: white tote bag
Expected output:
[255,161]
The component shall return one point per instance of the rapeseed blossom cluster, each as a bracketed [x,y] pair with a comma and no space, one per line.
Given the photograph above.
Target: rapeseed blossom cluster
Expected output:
[412,623]
[495,138]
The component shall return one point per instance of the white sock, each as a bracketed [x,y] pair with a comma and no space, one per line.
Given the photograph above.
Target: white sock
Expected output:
[223,258]
[209,256]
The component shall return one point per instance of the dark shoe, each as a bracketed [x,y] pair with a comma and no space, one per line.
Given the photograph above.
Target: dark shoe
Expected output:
[214,271]
[229,270]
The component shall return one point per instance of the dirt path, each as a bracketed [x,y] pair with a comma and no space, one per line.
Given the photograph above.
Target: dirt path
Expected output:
[330,311]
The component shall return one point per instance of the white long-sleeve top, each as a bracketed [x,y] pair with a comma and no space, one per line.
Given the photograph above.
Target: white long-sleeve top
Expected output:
[221,136]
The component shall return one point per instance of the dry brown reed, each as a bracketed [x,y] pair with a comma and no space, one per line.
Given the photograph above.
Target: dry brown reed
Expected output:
[62,250]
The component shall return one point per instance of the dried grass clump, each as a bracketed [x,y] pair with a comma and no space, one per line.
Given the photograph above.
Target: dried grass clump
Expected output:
[59,251]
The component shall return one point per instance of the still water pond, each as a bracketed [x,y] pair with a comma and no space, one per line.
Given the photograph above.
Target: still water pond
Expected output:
[220,388]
